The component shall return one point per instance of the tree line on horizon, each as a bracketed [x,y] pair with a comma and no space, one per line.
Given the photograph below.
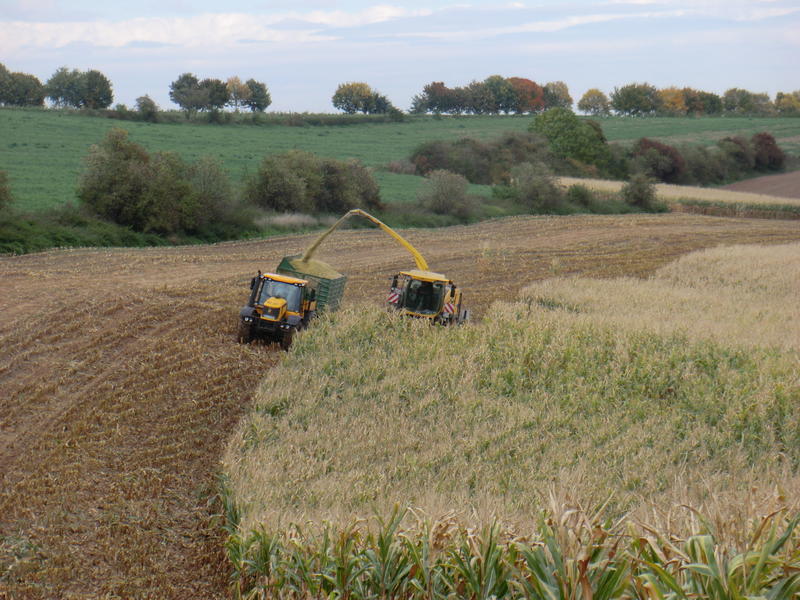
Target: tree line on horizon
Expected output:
[497,94]
[494,95]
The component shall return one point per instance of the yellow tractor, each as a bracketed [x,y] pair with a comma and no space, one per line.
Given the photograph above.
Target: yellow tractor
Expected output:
[285,302]
[418,292]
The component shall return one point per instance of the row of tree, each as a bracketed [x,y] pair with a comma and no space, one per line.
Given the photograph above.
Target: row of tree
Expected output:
[92,89]
[636,99]
[193,94]
[77,89]
[498,94]
[493,95]
[517,95]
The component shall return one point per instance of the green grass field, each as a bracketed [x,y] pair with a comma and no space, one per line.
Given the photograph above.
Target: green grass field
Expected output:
[43,150]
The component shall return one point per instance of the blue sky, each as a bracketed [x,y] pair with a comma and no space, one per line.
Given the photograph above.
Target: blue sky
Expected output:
[303,50]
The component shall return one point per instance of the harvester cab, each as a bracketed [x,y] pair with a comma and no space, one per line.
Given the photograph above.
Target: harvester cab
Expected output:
[427,295]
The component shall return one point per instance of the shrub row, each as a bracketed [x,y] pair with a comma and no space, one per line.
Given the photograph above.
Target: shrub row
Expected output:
[732,158]
[573,146]
[300,181]
[163,194]
[533,189]
[158,193]
[67,226]
[481,162]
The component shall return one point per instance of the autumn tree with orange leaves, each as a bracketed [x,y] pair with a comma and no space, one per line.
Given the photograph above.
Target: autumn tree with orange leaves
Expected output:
[529,95]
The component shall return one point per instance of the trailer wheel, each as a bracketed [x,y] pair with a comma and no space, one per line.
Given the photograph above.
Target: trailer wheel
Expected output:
[286,339]
[245,333]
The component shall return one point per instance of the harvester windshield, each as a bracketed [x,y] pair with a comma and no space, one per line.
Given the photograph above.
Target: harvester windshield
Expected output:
[280,289]
[424,297]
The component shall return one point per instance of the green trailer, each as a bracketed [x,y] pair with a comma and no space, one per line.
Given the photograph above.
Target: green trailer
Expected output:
[327,283]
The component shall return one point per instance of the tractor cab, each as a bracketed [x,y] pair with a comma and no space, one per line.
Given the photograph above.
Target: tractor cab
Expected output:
[279,305]
[278,295]
[426,295]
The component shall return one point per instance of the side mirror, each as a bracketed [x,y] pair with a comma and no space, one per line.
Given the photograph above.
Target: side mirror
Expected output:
[394,281]
[312,295]
[252,283]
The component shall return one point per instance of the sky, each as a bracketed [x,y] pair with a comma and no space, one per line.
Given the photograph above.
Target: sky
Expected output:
[304,50]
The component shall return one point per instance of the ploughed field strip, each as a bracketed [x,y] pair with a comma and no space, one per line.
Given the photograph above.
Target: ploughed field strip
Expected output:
[122,379]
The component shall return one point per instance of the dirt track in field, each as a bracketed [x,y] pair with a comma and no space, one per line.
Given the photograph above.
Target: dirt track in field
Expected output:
[785,185]
[121,380]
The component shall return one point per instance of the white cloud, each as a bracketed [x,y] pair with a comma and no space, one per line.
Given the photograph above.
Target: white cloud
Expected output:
[200,30]
[758,13]
[539,26]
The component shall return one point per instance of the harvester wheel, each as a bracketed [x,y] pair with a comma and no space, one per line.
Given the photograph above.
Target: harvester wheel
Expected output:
[286,340]
[245,333]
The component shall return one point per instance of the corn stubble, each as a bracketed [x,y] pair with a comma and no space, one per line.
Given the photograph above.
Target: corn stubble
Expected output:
[122,383]
[565,438]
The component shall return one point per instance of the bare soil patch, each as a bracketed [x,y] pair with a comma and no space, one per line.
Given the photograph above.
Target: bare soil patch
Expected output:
[785,185]
[121,379]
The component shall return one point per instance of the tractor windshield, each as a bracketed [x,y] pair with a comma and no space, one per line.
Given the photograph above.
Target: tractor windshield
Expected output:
[423,297]
[280,289]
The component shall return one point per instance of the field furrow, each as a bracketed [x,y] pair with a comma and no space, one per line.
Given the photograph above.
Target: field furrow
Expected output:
[122,382]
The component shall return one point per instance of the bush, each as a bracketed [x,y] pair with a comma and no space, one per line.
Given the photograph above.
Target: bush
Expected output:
[445,193]
[640,192]
[160,193]
[5,192]
[767,154]
[703,166]
[579,195]
[660,161]
[739,154]
[467,157]
[298,181]
[533,186]
[573,138]
[147,109]
[402,167]
[67,226]
[481,162]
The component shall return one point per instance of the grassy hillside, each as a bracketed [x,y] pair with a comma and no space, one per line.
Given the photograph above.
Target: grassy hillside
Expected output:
[690,401]
[42,151]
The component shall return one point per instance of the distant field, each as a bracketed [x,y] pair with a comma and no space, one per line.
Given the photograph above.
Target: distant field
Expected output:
[686,195]
[702,130]
[42,151]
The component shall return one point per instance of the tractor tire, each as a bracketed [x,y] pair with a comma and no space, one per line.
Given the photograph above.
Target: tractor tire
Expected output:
[245,333]
[286,340]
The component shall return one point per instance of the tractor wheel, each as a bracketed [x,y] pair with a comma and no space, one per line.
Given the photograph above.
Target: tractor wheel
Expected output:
[286,340]
[245,333]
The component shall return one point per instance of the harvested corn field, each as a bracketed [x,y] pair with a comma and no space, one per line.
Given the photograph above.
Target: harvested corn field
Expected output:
[122,380]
